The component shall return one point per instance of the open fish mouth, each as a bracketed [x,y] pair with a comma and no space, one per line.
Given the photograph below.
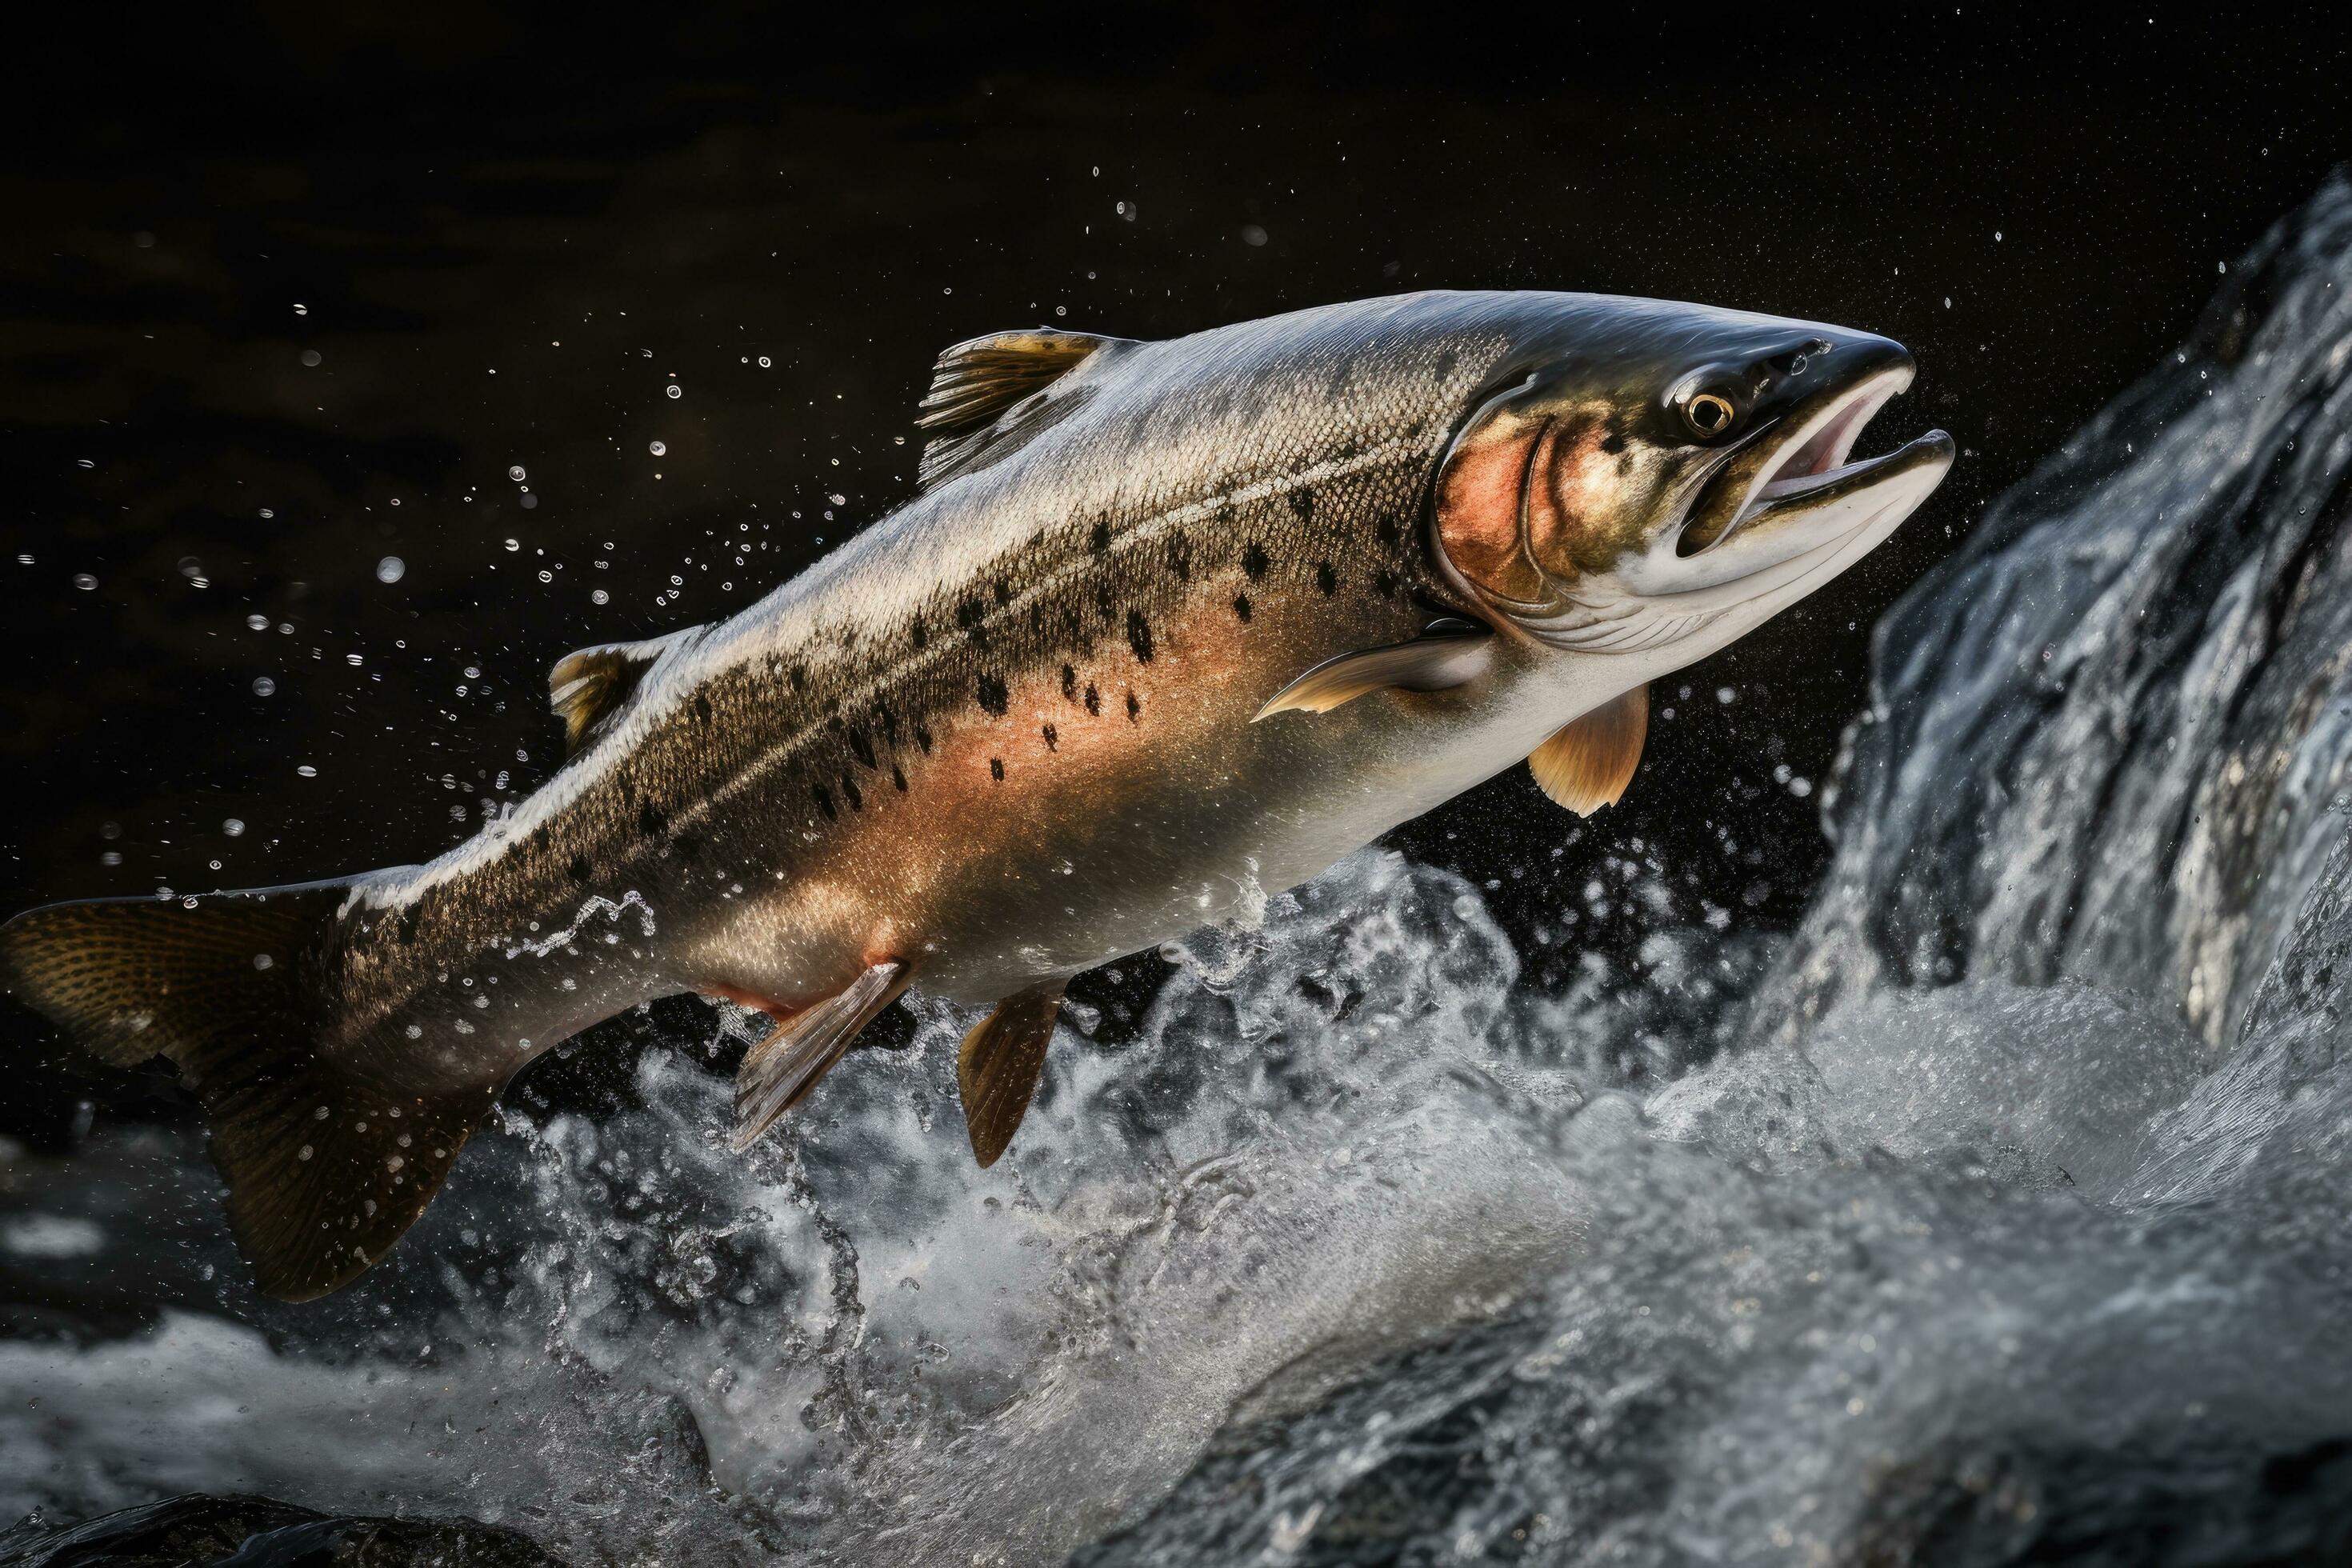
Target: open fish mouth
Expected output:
[1794,497]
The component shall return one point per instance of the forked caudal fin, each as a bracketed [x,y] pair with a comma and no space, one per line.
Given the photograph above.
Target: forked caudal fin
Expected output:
[327,1162]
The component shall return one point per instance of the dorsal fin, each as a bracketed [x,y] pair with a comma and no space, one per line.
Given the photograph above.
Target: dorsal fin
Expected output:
[977,383]
[1588,765]
[589,686]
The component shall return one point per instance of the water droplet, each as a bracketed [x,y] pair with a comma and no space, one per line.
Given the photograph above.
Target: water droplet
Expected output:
[267,512]
[264,686]
[301,309]
[516,474]
[391,569]
[307,771]
[262,961]
[657,448]
[545,576]
[312,356]
[352,659]
[84,463]
[529,501]
[600,598]
[764,362]
[1253,234]
[675,390]
[257,623]
[514,544]
[85,581]
[233,827]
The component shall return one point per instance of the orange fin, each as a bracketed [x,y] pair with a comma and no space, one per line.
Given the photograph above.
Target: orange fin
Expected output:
[1588,765]
[997,1070]
[781,1070]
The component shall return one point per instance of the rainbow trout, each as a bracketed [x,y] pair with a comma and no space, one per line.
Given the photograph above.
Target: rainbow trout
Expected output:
[1166,624]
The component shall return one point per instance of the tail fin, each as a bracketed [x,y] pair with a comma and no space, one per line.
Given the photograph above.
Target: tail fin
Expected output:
[328,1160]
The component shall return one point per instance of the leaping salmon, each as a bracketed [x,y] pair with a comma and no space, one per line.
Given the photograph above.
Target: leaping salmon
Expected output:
[1163,621]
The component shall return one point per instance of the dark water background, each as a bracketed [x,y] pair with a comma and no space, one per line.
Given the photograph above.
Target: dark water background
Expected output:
[504,241]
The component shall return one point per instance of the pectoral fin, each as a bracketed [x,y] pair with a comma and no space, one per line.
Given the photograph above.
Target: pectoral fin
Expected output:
[1588,765]
[996,1072]
[781,1070]
[1431,662]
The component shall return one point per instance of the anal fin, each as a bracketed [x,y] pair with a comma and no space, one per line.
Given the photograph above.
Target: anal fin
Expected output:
[1588,765]
[1433,661]
[996,1072]
[781,1070]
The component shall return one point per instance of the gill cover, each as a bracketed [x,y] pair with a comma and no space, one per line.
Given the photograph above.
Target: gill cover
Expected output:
[1531,496]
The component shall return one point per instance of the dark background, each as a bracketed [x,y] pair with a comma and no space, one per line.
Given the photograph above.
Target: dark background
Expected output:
[594,211]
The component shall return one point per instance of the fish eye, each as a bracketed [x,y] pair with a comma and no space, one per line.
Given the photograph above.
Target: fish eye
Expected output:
[1709,414]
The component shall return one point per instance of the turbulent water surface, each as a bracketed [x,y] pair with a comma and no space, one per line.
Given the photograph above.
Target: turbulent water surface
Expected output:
[2009,1223]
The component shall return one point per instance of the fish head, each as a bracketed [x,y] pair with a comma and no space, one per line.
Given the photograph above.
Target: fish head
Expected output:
[1673,475]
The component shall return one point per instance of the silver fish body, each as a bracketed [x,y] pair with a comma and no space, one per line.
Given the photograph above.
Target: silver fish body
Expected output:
[1019,727]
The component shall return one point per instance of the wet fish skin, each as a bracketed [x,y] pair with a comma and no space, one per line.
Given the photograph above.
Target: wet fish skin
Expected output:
[1009,732]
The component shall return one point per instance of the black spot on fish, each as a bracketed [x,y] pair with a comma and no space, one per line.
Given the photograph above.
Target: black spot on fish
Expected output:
[969,614]
[1004,592]
[1445,363]
[849,792]
[1070,681]
[860,747]
[1241,607]
[897,778]
[923,739]
[1053,741]
[1134,708]
[1106,602]
[1613,442]
[1099,539]
[701,708]
[1094,699]
[800,677]
[1327,578]
[1390,531]
[1038,615]
[825,803]
[993,698]
[539,837]
[890,723]
[920,634]
[651,822]
[578,870]
[1138,636]
[405,928]
[996,769]
[1179,558]
[1302,503]
[1388,582]
[1253,561]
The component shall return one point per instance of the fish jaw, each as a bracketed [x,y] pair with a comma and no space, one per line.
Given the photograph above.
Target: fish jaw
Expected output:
[1785,516]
